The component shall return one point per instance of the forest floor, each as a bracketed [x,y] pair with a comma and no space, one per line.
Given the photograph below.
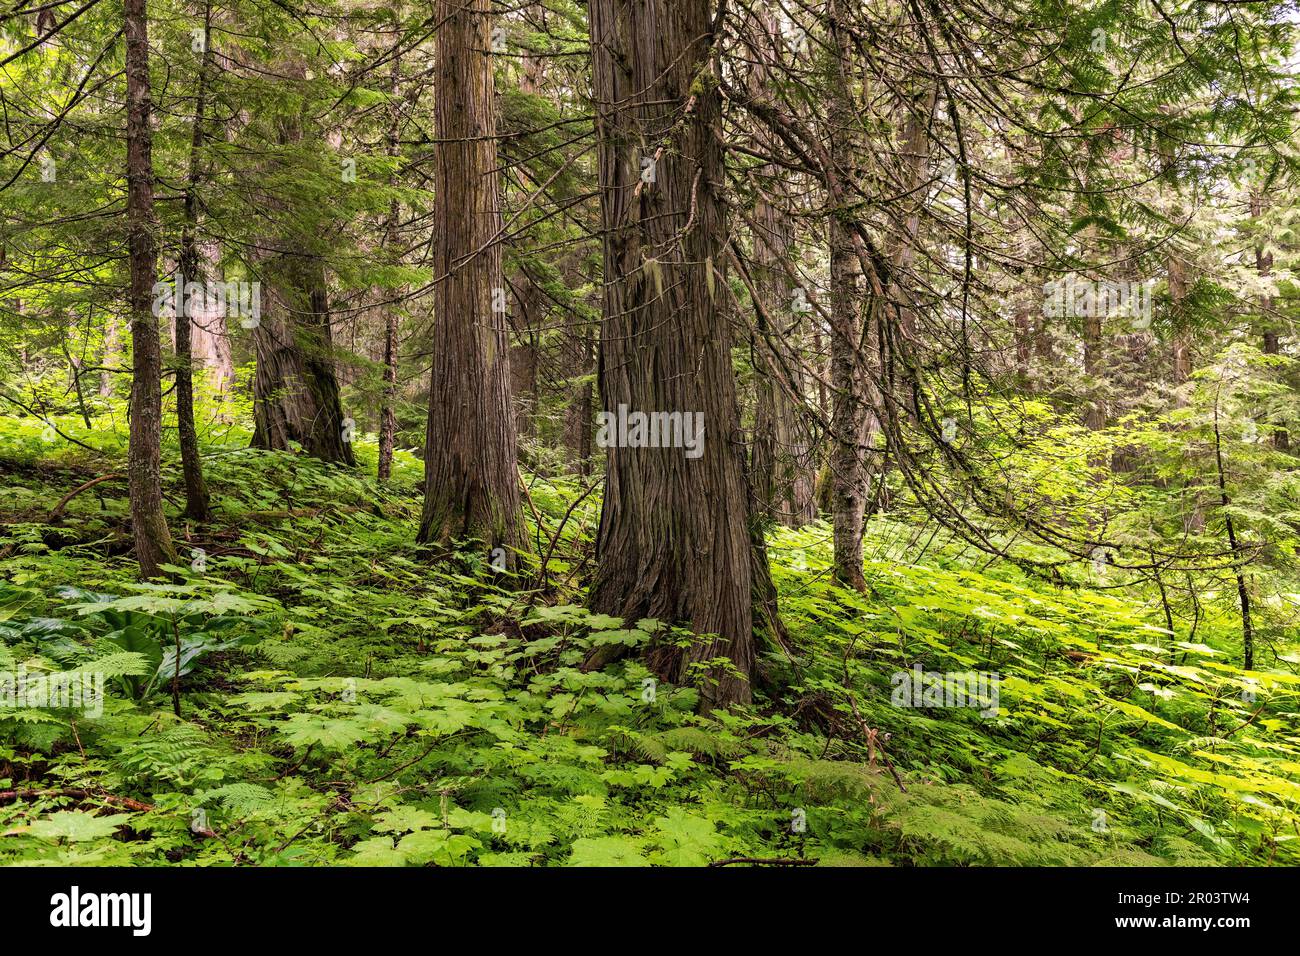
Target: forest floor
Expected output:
[344,700]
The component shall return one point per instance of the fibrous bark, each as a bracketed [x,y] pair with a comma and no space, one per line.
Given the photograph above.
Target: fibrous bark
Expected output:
[851,418]
[197,499]
[153,543]
[295,388]
[295,391]
[675,538]
[471,485]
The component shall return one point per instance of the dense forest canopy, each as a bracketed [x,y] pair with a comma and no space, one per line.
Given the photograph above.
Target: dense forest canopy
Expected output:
[622,432]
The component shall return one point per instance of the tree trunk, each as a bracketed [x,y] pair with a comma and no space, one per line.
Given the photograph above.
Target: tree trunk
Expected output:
[210,339]
[1176,271]
[1094,415]
[1271,344]
[197,499]
[471,485]
[1024,341]
[578,414]
[295,389]
[111,353]
[153,542]
[387,411]
[675,538]
[850,411]
[781,467]
[1239,559]
[525,352]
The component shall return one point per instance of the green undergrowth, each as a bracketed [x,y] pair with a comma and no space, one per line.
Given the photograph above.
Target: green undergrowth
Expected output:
[347,700]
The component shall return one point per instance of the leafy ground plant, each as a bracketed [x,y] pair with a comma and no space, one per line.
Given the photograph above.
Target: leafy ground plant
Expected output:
[340,700]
